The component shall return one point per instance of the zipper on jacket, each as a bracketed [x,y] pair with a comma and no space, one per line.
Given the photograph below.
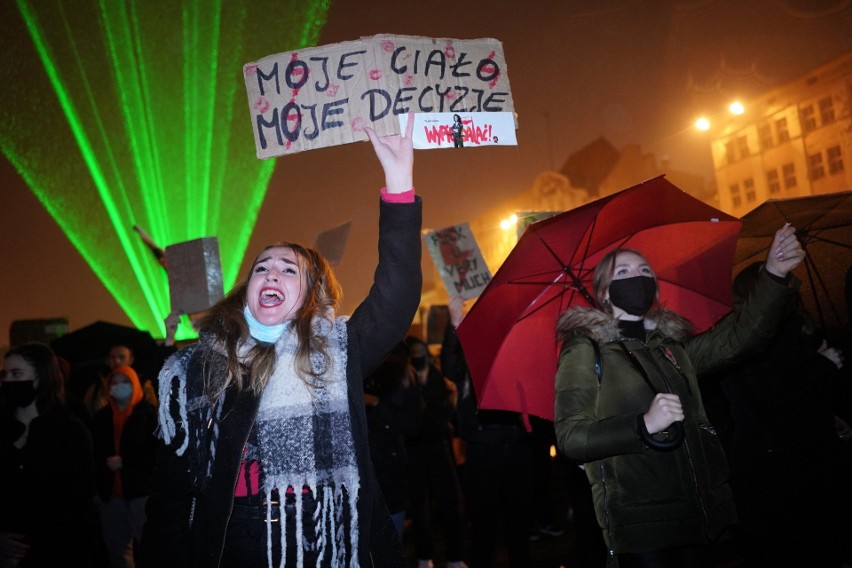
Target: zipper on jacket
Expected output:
[610,551]
[685,438]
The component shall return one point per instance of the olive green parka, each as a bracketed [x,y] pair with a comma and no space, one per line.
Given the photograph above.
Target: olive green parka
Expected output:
[647,499]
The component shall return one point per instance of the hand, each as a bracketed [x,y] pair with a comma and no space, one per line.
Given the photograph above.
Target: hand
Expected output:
[842,429]
[665,410]
[114,463]
[455,308]
[396,154]
[786,252]
[172,320]
[13,549]
[833,354]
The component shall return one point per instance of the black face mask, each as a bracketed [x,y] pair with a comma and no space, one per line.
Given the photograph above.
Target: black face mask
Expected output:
[633,295]
[419,363]
[19,393]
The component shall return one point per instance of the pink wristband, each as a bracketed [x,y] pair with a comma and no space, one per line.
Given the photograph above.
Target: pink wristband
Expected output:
[404,197]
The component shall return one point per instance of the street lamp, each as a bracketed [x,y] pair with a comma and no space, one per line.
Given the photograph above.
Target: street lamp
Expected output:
[702,124]
[509,222]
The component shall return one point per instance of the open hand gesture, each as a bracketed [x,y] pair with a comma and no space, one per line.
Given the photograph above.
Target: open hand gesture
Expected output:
[786,252]
[396,154]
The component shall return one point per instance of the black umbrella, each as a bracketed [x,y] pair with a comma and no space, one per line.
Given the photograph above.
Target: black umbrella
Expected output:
[86,349]
[824,227]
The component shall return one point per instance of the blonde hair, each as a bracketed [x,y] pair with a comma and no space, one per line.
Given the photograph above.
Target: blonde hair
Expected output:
[226,324]
[604,273]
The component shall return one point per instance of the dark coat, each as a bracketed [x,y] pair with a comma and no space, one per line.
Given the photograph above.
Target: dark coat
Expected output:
[396,414]
[783,402]
[46,488]
[437,411]
[647,499]
[474,424]
[186,524]
[138,448]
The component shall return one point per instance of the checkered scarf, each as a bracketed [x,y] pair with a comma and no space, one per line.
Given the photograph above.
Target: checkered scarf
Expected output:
[305,438]
[304,435]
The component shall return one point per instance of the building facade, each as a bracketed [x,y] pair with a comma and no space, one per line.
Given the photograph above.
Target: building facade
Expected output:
[793,141]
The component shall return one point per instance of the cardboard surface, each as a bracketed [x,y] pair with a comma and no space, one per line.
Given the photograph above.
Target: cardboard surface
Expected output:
[455,252]
[195,275]
[325,96]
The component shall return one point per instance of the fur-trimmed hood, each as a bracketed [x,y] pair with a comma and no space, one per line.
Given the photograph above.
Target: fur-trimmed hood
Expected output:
[603,327]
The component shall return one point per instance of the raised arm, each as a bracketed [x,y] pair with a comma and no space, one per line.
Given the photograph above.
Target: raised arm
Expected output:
[754,324]
[384,317]
[396,154]
[786,252]
[453,363]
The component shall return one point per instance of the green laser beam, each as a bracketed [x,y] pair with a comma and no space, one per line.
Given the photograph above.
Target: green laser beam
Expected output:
[129,112]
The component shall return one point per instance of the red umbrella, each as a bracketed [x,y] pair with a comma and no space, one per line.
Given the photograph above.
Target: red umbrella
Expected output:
[509,336]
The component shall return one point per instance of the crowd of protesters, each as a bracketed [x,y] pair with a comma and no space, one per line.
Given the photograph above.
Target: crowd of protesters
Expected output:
[460,483]
[286,435]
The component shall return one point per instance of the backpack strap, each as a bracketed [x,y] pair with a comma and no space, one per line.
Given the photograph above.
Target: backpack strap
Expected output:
[676,434]
[598,364]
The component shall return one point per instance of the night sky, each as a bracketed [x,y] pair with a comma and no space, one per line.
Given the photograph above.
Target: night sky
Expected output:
[633,72]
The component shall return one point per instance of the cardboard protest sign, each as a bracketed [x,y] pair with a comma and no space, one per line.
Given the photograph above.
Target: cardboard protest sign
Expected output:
[325,96]
[195,275]
[456,254]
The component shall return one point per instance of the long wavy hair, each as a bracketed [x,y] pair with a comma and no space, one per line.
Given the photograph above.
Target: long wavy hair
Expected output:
[604,272]
[50,392]
[226,325]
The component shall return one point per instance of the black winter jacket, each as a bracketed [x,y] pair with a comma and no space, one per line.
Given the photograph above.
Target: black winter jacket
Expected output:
[186,524]
[138,448]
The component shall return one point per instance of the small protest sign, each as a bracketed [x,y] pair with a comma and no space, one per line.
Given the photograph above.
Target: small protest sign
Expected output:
[325,96]
[195,275]
[462,130]
[459,261]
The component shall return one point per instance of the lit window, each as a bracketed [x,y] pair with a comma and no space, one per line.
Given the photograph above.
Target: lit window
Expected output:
[826,110]
[773,181]
[742,146]
[781,130]
[764,133]
[748,186]
[834,157]
[816,170]
[730,152]
[789,173]
[808,119]
[736,200]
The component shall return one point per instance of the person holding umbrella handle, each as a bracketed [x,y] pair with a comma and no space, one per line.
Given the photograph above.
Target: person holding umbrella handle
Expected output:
[628,405]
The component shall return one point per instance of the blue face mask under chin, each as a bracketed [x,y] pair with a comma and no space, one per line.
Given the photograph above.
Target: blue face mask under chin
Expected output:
[262,332]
